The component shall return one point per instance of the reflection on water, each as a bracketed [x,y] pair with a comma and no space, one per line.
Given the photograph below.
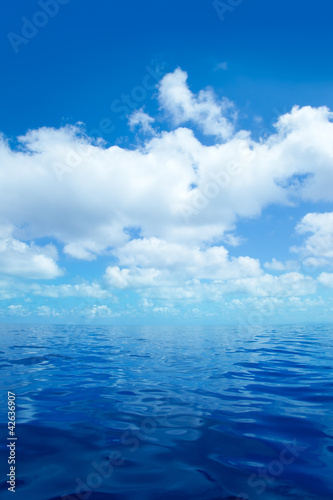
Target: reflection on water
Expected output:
[170,413]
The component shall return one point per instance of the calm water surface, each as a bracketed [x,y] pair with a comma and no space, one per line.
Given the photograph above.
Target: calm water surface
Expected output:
[145,413]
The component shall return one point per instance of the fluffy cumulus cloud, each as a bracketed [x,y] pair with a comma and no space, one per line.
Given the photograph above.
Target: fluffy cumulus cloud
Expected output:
[18,258]
[318,246]
[142,120]
[132,278]
[155,262]
[172,187]
[179,196]
[203,109]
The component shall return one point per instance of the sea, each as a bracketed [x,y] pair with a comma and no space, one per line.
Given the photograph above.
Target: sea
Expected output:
[162,413]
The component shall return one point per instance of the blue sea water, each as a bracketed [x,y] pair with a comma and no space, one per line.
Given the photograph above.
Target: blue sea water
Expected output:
[145,413]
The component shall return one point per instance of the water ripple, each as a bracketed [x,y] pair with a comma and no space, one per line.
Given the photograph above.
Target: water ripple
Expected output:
[171,413]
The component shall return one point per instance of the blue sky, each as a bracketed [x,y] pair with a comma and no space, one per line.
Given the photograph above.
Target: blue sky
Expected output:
[166,163]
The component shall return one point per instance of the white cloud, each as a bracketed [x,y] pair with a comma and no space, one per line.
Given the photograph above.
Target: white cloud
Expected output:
[276,265]
[175,272]
[131,278]
[146,304]
[155,262]
[326,279]
[90,198]
[8,289]
[265,304]
[141,119]
[263,310]
[78,290]
[164,310]
[26,260]
[203,109]
[309,131]
[18,310]
[101,311]
[318,247]
[110,190]
[233,240]
[292,283]
[46,311]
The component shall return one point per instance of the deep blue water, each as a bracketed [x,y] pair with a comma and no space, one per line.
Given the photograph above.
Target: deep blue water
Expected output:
[182,413]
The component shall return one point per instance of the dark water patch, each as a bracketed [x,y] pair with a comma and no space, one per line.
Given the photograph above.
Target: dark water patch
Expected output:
[31,360]
[18,484]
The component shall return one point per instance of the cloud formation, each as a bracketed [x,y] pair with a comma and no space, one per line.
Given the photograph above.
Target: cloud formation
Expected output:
[18,258]
[161,209]
[318,246]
